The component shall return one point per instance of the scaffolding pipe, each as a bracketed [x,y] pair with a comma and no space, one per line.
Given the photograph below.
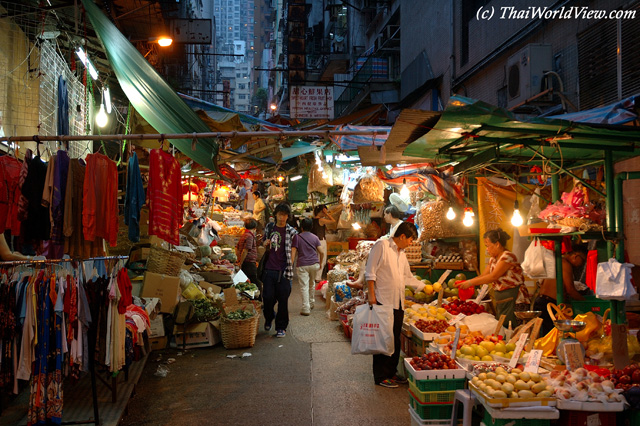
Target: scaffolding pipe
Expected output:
[163,136]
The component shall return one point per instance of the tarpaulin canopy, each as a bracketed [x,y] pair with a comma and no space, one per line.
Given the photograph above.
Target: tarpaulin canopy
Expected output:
[474,133]
[426,178]
[297,149]
[619,112]
[352,142]
[149,94]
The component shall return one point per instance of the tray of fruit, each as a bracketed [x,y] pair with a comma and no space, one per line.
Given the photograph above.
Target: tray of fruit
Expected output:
[433,365]
[428,330]
[468,307]
[502,389]
[584,390]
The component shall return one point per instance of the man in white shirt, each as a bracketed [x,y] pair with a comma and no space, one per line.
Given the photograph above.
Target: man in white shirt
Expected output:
[387,273]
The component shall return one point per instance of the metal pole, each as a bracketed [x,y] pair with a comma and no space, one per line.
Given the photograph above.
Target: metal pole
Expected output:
[219,135]
[610,185]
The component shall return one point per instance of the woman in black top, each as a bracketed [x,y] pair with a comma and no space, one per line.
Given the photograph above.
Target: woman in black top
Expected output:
[321,218]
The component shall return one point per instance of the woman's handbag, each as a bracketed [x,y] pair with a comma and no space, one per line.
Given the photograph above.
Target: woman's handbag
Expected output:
[262,263]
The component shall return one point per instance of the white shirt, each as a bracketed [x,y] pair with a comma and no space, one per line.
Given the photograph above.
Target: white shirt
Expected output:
[389,268]
[393,227]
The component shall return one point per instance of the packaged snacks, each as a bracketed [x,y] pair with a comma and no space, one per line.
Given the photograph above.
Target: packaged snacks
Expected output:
[369,189]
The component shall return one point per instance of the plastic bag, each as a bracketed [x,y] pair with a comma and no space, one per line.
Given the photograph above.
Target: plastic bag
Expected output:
[539,262]
[434,224]
[485,322]
[613,281]
[342,291]
[372,330]
[320,180]
[346,219]
[368,190]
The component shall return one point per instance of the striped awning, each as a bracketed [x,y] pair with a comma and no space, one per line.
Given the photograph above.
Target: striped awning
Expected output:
[352,142]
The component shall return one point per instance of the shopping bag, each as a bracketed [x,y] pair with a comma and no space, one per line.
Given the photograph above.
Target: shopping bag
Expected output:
[539,262]
[613,281]
[372,330]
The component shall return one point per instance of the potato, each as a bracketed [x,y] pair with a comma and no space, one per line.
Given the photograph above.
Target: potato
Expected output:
[526,394]
[499,394]
[520,385]
[501,378]
[524,376]
[507,388]
[538,387]
[535,377]
[545,394]
[511,379]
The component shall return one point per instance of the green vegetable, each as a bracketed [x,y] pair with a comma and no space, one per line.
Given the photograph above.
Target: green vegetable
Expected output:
[246,287]
[239,314]
[204,310]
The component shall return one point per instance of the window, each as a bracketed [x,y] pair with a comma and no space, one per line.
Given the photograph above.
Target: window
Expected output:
[242,96]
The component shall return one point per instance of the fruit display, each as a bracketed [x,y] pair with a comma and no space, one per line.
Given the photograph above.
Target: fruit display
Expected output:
[626,378]
[433,361]
[431,326]
[601,347]
[512,384]
[582,385]
[487,349]
[424,312]
[457,306]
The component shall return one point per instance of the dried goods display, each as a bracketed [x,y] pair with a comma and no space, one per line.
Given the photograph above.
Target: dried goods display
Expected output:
[349,307]
[368,189]
[335,276]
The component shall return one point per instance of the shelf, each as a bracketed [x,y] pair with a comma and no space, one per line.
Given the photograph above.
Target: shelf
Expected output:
[585,235]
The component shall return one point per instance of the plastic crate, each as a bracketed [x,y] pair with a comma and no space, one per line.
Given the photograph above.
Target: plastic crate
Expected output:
[595,305]
[437,385]
[587,418]
[431,411]
[490,421]
[629,418]
[347,330]
[417,421]
[426,397]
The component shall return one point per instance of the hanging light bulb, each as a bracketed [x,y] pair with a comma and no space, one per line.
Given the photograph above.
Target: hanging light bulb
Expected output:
[356,226]
[404,192]
[106,96]
[516,219]
[451,214]
[101,117]
[467,220]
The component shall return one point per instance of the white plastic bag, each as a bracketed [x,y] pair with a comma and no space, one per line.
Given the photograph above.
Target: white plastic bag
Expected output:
[613,281]
[372,330]
[539,262]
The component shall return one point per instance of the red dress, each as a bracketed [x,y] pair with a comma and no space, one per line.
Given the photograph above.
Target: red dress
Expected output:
[9,194]
[99,201]
[165,196]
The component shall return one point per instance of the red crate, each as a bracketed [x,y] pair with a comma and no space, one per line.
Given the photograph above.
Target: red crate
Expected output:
[353,242]
[347,330]
[585,418]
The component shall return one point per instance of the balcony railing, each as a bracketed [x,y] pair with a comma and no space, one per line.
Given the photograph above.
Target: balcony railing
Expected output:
[373,68]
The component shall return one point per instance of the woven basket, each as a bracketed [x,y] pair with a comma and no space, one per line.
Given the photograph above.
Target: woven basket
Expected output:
[166,262]
[239,333]
[576,222]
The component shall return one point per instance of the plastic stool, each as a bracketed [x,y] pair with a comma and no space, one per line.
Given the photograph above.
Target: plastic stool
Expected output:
[467,399]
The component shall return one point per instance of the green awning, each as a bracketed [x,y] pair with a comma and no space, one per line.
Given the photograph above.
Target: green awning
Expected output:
[469,128]
[149,94]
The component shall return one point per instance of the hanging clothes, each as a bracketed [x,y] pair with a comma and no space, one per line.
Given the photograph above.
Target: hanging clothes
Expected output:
[23,203]
[10,194]
[75,244]
[100,192]
[61,172]
[36,226]
[63,107]
[134,200]
[165,196]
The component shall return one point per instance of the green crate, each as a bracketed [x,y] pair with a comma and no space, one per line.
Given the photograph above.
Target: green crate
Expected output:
[595,305]
[490,421]
[437,385]
[426,397]
[432,411]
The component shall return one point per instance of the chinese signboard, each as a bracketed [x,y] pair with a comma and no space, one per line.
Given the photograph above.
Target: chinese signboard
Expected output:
[311,102]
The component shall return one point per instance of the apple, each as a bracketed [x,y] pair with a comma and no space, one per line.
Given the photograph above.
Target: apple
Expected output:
[452,283]
[481,352]
[486,358]
[510,347]
[467,350]
[460,277]
[500,347]
[489,346]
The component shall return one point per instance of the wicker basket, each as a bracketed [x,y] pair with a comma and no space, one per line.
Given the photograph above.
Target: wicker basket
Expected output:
[166,262]
[576,222]
[239,333]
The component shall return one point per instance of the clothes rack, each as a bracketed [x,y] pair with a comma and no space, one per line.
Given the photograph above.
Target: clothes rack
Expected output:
[92,335]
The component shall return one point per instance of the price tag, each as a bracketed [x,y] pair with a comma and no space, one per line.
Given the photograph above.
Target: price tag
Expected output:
[457,319]
[535,356]
[518,350]
[454,348]
[573,356]
[483,292]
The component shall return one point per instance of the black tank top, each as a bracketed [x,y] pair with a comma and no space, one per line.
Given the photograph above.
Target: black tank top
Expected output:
[317,229]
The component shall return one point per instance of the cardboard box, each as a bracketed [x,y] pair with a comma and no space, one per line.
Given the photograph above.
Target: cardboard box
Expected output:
[157,327]
[334,248]
[164,287]
[200,335]
[158,343]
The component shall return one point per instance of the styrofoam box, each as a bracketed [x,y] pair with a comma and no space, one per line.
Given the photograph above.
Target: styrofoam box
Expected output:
[426,337]
[564,404]
[458,373]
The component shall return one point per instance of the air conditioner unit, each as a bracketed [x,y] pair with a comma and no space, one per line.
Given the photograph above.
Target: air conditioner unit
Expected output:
[525,71]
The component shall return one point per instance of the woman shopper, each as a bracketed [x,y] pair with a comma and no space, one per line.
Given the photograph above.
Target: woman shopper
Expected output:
[321,218]
[247,250]
[504,274]
[308,263]
[278,269]
[259,210]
